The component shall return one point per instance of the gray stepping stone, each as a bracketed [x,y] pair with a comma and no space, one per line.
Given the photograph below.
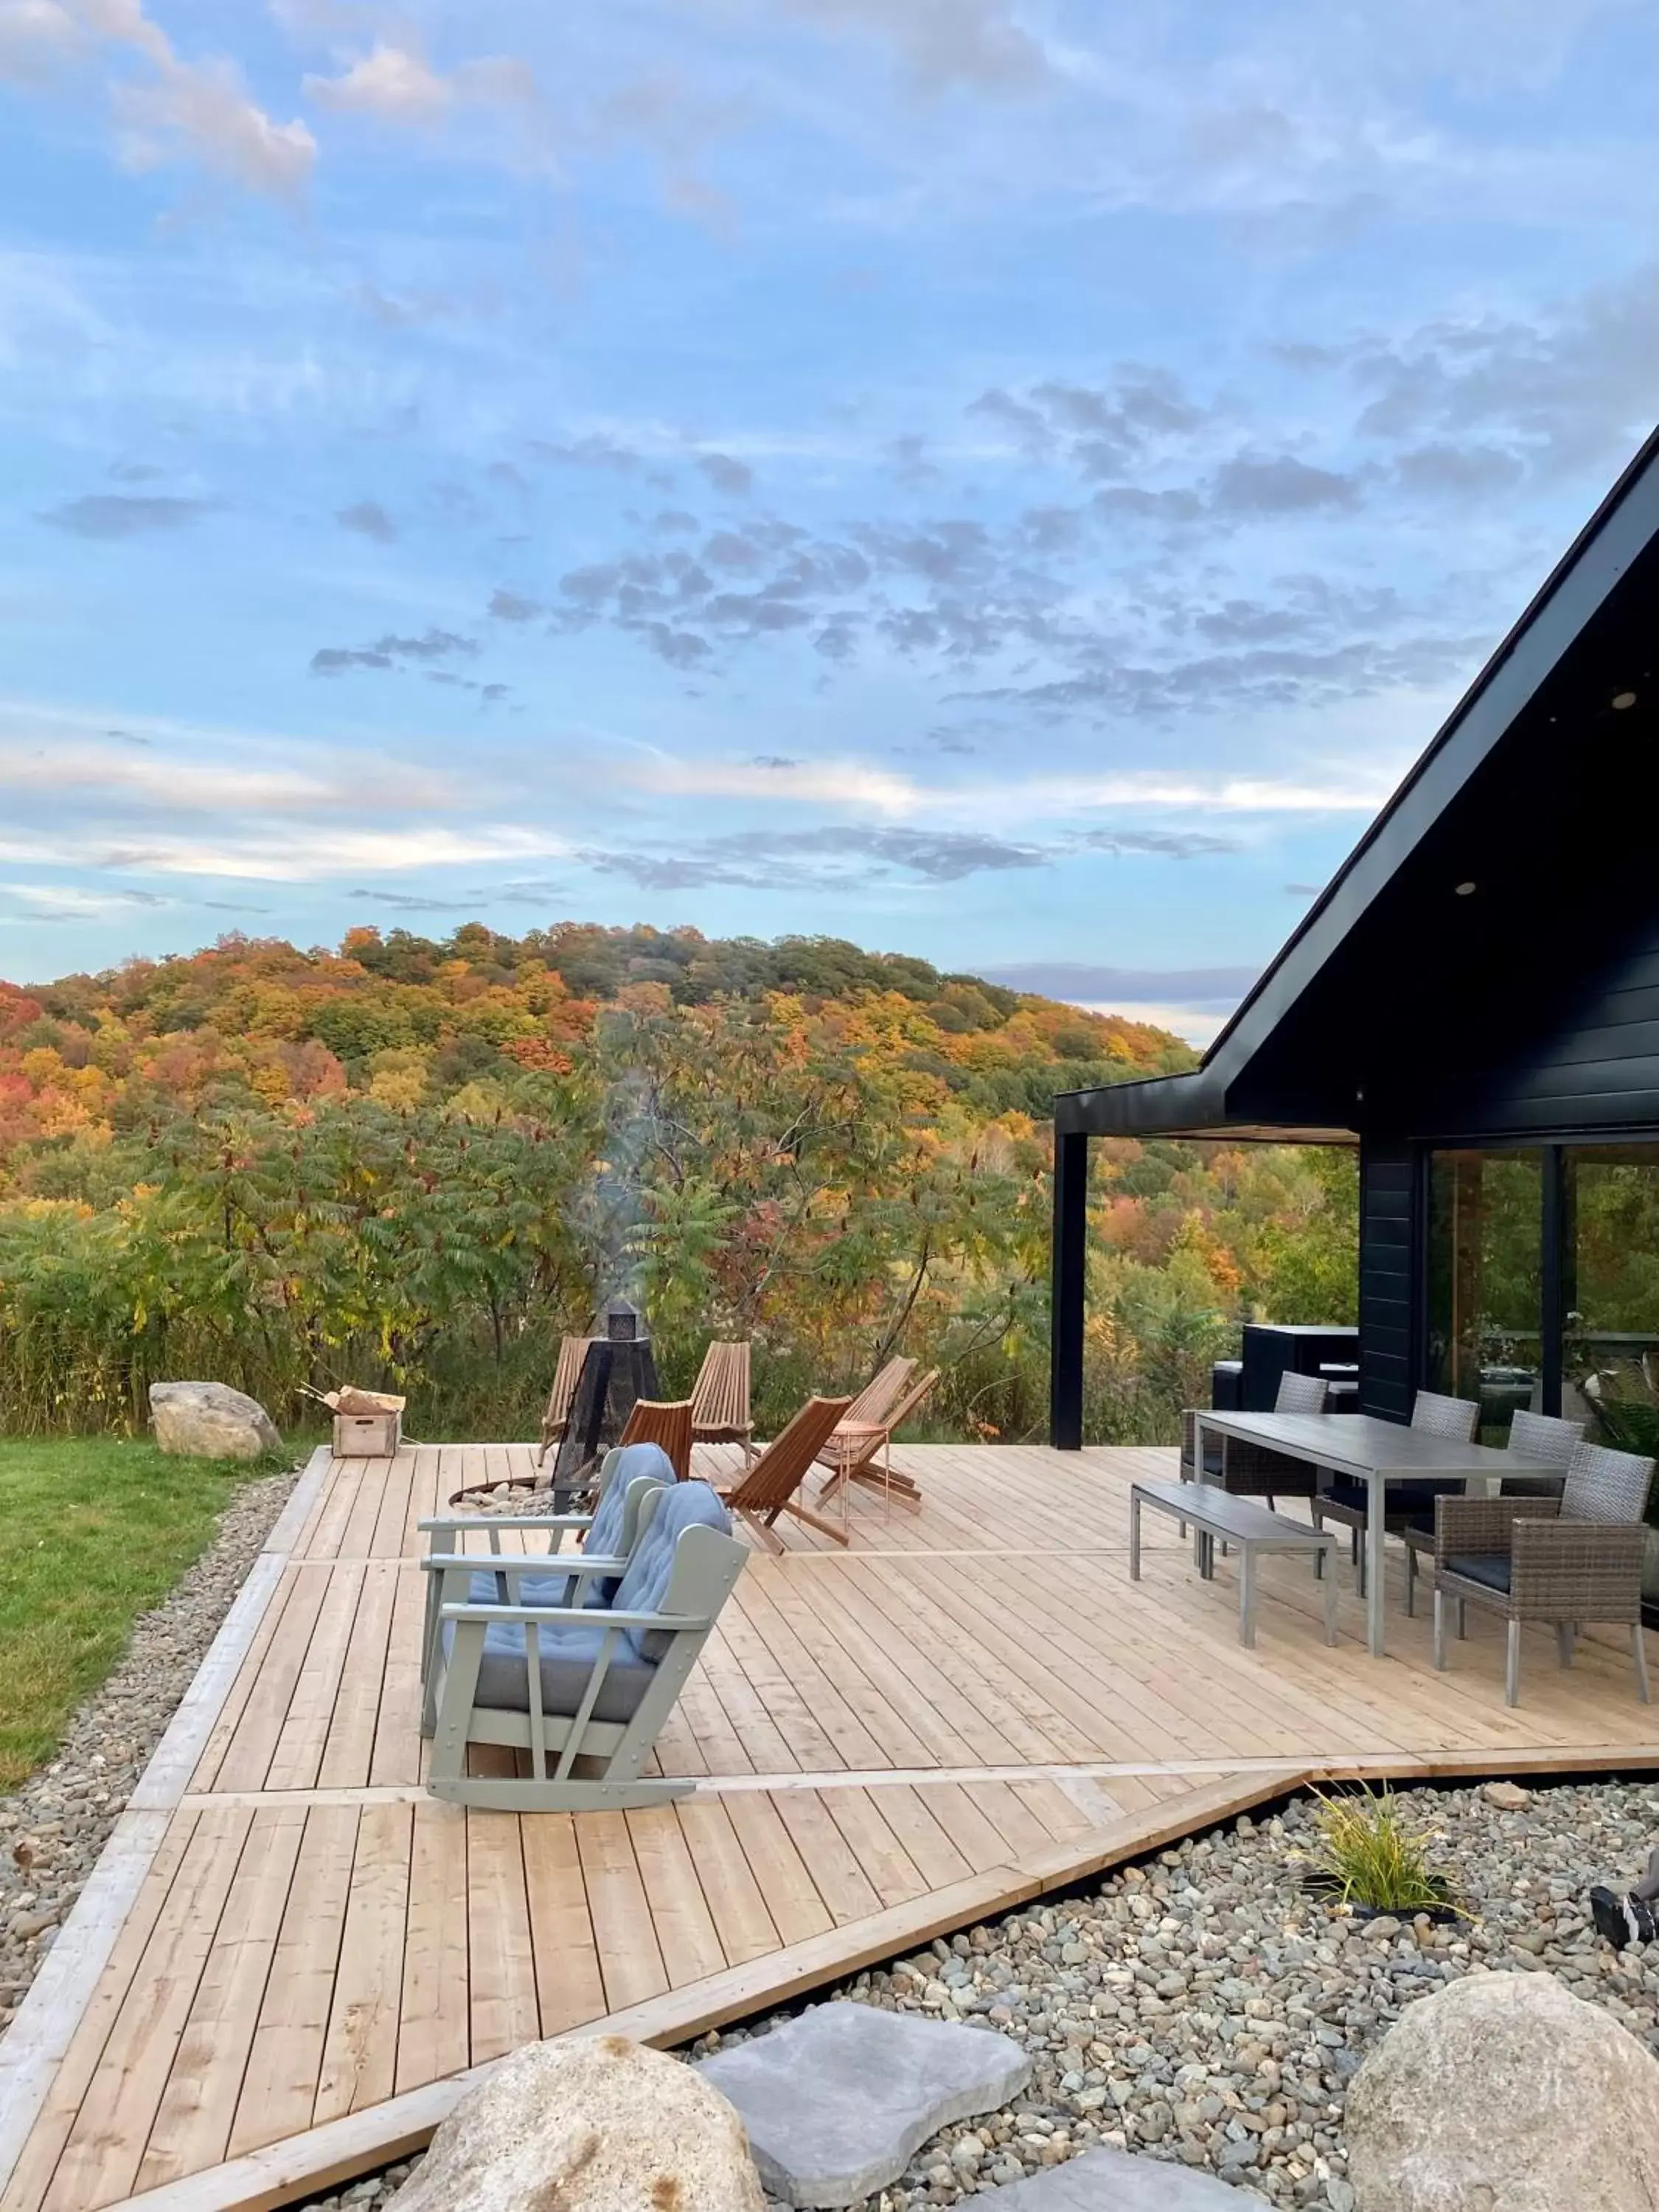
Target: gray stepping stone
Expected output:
[837,2100]
[1109,2181]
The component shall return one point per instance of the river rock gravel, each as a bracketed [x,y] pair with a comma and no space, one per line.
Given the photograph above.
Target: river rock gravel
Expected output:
[52,1829]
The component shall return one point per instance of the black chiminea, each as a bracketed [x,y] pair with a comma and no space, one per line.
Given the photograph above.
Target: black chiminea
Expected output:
[617,1370]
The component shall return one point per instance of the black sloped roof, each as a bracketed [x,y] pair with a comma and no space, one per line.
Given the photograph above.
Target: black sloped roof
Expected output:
[1394,991]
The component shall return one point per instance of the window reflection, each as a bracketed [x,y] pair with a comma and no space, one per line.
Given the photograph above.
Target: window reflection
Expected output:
[1610,1350]
[1485,1273]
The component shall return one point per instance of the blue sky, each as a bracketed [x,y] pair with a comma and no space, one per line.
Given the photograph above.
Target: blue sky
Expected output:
[1012,483]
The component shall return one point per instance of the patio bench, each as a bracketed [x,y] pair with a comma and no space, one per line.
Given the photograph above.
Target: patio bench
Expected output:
[1240,1523]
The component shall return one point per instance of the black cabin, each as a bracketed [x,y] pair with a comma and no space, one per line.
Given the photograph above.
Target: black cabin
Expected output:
[1474,1001]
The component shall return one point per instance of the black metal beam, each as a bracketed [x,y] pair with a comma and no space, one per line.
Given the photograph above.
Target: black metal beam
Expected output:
[1066,1300]
[1557,1260]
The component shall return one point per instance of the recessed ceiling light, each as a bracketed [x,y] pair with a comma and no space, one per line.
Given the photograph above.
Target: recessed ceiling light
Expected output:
[1623,699]
[1466,890]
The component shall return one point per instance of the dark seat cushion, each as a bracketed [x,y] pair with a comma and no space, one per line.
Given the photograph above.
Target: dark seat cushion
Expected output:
[1405,1502]
[1490,1568]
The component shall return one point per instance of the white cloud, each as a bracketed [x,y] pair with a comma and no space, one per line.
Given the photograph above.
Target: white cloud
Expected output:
[194,784]
[36,36]
[397,84]
[198,111]
[819,783]
[326,851]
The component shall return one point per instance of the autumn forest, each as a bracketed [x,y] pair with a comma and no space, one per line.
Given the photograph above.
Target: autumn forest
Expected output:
[417,1161]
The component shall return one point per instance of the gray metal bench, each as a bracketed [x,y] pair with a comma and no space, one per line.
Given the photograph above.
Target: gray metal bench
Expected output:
[1240,1523]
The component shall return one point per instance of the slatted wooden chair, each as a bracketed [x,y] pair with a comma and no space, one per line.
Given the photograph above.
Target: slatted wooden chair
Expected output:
[768,1488]
[1348,1500]
[1542,1443]
[871,1406]
[666,1422]
[582,1692]
[573,1350]
[854,1446]
[719,1399]
[1567,1561]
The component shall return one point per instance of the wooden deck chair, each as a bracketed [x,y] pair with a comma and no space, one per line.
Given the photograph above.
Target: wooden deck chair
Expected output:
[880,1393]
[608,1536]
[573,1350]
[853,1457]
[584,1692]
[719,1399]
[666,1422]
[768,1488]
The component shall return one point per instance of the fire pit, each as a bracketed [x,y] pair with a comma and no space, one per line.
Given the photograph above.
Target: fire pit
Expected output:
[617,1370]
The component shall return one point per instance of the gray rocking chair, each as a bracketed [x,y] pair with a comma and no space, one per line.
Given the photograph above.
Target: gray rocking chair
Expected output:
[631,1473]
[582,1690]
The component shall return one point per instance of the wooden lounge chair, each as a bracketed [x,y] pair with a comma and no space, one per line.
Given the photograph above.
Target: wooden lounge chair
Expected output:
[583,1691]
[573,1350]
[768,1488]
[666,1422]
[719,1399]
[1569,1562]
[854,1445]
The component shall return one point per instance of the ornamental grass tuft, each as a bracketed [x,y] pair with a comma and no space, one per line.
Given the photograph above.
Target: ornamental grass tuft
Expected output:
[1368,1855]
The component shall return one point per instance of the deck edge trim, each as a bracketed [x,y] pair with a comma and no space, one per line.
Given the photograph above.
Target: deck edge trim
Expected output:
[45,2024]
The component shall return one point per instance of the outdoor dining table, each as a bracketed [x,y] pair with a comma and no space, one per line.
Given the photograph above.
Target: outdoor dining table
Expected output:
[1376,1453]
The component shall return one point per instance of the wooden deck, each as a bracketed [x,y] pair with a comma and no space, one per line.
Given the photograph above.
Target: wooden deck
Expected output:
[291,1957]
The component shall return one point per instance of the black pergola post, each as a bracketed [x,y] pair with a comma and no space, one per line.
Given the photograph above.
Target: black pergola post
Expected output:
[1066,1311]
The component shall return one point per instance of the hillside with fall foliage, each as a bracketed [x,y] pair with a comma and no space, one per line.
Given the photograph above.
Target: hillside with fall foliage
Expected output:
[417,1161]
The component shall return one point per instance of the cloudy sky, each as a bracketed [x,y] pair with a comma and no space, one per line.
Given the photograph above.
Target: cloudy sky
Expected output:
[1014,481]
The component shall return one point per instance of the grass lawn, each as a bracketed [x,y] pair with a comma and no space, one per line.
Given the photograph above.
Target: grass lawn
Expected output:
[93,1531]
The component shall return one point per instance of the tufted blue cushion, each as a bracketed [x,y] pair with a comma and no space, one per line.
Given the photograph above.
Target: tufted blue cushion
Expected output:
[568,1652]
[633,1463]
[645,1586]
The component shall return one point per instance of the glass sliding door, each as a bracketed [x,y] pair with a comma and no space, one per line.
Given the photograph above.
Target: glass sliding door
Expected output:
[1610,1290]
[1485,1306]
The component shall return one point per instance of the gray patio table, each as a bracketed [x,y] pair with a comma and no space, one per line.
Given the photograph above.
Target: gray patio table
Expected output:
[1376,1453]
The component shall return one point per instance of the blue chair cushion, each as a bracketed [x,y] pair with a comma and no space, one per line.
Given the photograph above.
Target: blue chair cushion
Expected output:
[644,1588]
[569,1651]
[1490,1568]
[567,1665]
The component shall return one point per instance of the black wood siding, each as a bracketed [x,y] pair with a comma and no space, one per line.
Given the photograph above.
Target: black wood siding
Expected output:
[1387,1243]
[1600,1068]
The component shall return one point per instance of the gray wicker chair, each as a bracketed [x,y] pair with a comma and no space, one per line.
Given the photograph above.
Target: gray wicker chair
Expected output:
[1250,1470]
[1565,1561]
[1541,1442]
[1348,1500]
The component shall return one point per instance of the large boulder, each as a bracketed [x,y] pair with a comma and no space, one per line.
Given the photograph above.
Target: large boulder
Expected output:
[593,2124]
[209,1420]
[1504,2092]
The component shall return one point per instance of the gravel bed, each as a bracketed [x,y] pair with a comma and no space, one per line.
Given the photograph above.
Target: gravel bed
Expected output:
[52,1829]
[1203,2007]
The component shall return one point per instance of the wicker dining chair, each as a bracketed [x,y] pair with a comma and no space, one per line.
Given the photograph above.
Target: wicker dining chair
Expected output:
[1347,1501]
[1542,1443]
[1253,1470]
[1565,1562]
